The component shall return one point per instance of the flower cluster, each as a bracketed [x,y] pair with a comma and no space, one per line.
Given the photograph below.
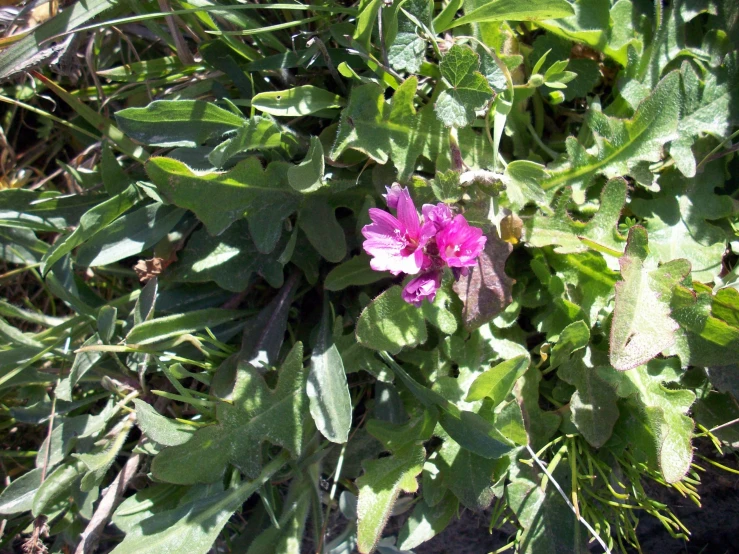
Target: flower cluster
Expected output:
[412,244]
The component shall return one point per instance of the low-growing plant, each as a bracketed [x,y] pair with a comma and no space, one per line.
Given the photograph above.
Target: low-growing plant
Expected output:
[276,275]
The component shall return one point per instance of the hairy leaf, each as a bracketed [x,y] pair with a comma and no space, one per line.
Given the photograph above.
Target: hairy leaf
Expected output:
[257,414]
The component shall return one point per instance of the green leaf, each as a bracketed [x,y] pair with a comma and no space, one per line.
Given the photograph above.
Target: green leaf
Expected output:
[396,131]
[258,133]
[99,463]
[162,328]
[497,382]
[677,222]
[486,290]
[18,496]
[666,414]
[601,26]
[83,362]
[572,338]
[160,429]
[593,406]
[297,101]
[446,186]
[569,235]
[129,235]
[231,260]
[390,323]
[511,10]
[425,522]
[317,219]
[703,340]
[56,488]
[115,180]
[193,526]
[540,425]
[307,176]
[468,429]
[549,524]
[262,196]
[523,183]
[143,310]
[257,413]
[442,313]
[467,475]
[328,393]
[710,105]
[622,143]
[384,479]
[353,272]
[187,123]
[94,221]
[407,52]
[469,92]
[147,502]
[642,326]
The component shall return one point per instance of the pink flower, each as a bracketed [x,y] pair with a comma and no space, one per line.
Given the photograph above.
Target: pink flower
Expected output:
[459,244]
[393,195]
[423,286]
[397,244]
[440,215]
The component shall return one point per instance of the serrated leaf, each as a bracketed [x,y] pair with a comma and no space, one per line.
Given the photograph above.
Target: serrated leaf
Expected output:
[396,131]
[328,393]
[262,196]
[256,414]
[390,323]
[642,326]
[621,143]
[187,123]
[569,236]
[469,92]
[384,479]
[231,260]
[710,105]
[406,52]
[677,222]
[195,525]
[665,411]
[486,290]
[511,10]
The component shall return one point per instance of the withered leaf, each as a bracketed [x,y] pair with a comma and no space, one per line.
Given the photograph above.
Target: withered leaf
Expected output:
[486,290]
